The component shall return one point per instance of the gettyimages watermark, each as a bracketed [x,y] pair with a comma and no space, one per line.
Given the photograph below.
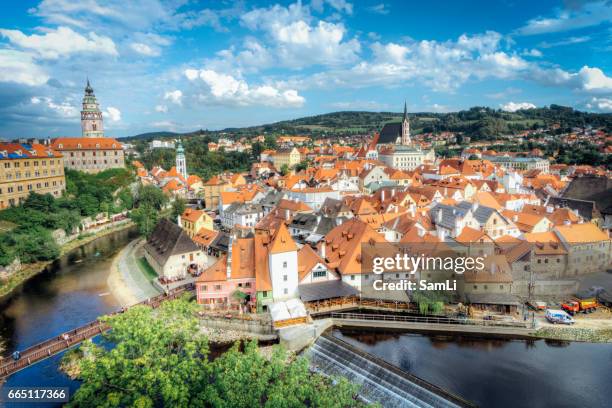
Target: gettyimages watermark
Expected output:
[406,267]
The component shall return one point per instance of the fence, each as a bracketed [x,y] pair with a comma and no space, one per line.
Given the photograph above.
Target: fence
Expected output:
[431,320]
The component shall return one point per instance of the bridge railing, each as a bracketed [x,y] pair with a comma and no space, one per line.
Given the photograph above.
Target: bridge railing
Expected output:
[430,319]
[68,339]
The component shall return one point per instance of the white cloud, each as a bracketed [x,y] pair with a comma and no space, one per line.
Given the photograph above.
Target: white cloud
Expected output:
[296,41]
[600,104]
[144,49]
[175,96]
[19,67]
[593,79]
[161,108]
[63,109]
[219,88]
[113,114]
[381,8]
[515,106]
[532,53]
[61,42]
[565,41]
[590,14]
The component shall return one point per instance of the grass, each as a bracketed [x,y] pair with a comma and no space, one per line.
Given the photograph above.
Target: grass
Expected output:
[6,226]
[147,269]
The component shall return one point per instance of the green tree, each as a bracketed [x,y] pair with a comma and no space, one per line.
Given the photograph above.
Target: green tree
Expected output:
[178,207]
[160,359]
[146,218]
[284,169]
[151,196]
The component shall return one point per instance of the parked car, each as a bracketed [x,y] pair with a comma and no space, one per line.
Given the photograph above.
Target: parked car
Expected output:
[558,317]
[537,305]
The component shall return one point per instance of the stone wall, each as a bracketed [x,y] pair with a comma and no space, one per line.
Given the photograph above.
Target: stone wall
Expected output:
[251,326]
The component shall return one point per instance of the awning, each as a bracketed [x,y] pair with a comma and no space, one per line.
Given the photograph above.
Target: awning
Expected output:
[310,292]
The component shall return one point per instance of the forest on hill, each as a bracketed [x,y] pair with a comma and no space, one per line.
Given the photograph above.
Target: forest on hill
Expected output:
[479,123]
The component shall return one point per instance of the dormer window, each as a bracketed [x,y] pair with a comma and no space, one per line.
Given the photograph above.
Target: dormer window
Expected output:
[113,145]
[97,145]
[78,146]
[60,146]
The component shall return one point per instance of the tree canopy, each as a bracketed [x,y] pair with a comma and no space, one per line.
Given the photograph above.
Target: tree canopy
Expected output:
[161,359]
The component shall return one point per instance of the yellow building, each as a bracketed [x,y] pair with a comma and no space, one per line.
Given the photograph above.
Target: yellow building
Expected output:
[289,157]
[213,188]
[27,168]
[194,220]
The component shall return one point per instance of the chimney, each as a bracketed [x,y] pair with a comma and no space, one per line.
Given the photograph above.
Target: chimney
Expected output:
[549,209]
[439,215]
[382,195]
[515,218]
[322,250]
[392,192]
[412,210]
[474,207]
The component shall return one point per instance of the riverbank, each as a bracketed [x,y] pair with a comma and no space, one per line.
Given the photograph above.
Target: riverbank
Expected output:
[127,281]
[28,271]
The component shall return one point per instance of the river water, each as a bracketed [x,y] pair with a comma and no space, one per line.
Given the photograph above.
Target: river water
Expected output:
[499,372]
[70,292]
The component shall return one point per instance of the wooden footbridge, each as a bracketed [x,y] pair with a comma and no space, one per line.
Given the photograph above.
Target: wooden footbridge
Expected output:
[74,337]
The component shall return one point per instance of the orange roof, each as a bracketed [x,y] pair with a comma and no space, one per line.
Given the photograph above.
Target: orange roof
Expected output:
[26,151]
[487,199]
[243,258]
[193,179]
[137,164]
[205,237]
[293,206]
[216,273]
[307,259]
[471,235]
[343,245]
[172,185]
[581,233]
[85,143]
[192,215]
[262,272]
[282,241]
[548,236]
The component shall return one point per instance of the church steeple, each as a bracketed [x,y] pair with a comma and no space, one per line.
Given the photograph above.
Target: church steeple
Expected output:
[91,115]
[406,127]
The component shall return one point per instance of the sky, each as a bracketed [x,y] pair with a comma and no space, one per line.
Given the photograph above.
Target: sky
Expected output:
[182,65]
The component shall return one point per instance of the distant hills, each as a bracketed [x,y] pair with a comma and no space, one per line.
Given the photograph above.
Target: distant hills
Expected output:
[480,123]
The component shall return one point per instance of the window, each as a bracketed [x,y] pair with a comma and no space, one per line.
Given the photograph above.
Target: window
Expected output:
[204,288]
[285,278]
[217,287]
[265,293]
[247,284]
[475,286]
[285,264]
[352,277]
[286,291]
[319,274]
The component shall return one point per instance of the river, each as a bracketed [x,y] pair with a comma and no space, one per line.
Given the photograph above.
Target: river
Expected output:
[498,372]
[70,292]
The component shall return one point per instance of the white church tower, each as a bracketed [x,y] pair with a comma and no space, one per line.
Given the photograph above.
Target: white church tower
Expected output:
[181,163]
[406,128]
[91,115]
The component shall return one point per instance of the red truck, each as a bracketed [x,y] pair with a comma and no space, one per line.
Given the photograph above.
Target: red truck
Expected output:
[579,305]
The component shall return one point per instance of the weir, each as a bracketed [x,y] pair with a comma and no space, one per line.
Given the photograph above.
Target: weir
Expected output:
[378,381]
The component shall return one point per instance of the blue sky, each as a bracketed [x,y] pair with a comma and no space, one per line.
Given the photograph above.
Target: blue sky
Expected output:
[181,65]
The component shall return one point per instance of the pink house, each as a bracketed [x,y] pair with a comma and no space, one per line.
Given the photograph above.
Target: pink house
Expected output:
[216,287]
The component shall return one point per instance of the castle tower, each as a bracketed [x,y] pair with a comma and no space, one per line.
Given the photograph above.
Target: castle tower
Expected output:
[91,115]
[181,163]
[406,128]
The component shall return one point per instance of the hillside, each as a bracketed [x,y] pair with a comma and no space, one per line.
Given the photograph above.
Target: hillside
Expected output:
[480,123]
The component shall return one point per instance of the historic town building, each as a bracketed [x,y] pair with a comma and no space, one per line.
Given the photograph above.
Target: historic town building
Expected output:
[395,147]
[91,115]
[26,168]
[93,152]
[90,154]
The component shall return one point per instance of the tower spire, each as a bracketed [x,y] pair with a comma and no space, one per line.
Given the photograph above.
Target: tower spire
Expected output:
[406,127]
[405,111]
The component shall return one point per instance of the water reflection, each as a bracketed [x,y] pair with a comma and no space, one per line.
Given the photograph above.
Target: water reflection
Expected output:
[495,372]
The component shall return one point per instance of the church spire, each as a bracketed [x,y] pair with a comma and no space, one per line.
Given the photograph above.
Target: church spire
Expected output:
[406,127]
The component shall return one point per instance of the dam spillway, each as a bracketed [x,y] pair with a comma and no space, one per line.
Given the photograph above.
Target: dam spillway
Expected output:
[378,381]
